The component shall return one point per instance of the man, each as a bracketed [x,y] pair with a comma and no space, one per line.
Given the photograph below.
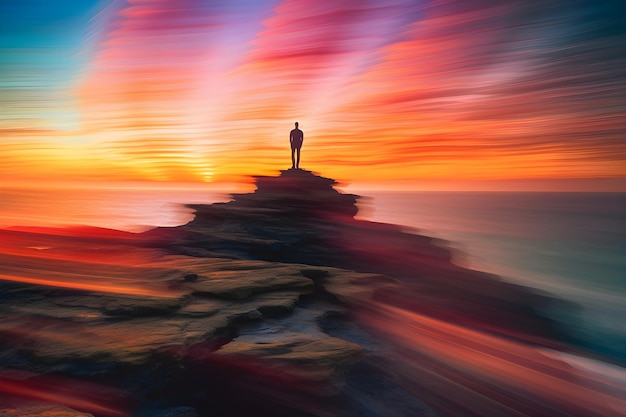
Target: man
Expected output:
[296,137]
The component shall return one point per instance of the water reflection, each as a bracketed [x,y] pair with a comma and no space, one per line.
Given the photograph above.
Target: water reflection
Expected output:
[132,209]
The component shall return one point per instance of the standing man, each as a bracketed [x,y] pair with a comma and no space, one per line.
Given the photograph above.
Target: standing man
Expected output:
[296,137]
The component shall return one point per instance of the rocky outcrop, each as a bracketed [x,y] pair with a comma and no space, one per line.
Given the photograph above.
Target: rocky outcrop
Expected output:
[257,298]
[213,313]
[298,217]
[99,326]
[317,365]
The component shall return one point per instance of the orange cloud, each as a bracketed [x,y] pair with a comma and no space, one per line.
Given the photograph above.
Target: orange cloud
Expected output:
[190,91]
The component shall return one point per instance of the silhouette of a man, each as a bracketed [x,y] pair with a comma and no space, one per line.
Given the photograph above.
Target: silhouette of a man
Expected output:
[296,137]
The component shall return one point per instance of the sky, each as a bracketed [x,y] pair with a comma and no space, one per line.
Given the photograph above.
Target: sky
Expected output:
[391,93]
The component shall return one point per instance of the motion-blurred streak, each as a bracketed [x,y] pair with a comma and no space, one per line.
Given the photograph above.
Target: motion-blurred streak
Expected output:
[470,373]
[521,89]
[78,394]
[85,259]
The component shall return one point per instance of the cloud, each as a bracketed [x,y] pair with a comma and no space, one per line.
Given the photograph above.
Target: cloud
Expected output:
[504,80]
[179,88]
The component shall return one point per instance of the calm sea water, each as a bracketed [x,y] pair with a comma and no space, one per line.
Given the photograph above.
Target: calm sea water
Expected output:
[572,245]
[131,209]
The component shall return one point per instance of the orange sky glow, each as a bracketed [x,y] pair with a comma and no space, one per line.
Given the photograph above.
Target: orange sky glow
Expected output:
[397,94]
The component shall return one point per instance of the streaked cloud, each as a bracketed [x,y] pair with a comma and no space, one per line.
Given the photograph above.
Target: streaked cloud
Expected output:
[195,90]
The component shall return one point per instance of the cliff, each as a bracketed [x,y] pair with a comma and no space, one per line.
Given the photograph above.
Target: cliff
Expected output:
[279,296]
[298,217]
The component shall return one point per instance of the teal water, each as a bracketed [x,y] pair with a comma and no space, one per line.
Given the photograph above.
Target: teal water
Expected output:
[572,245]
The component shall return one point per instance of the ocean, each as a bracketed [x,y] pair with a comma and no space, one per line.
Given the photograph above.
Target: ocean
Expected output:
[572,245]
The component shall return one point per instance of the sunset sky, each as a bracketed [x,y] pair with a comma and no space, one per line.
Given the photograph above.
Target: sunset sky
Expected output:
[392,92]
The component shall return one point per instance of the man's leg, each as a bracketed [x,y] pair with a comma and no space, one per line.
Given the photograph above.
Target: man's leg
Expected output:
[298,158]
[293,158]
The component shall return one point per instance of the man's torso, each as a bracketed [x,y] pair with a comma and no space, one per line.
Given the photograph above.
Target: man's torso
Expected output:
[296,136]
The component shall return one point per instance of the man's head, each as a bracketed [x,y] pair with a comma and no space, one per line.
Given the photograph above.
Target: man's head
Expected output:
[296,125]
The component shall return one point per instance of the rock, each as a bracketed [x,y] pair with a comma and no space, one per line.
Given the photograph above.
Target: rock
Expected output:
[171,412]
[357,289]
[314,274]
[42,411]
[298,217]
[318,365]
[139,306]
[239,285]
[190,277]
[278,303]
[200,307]
[254,291]
[55,328]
